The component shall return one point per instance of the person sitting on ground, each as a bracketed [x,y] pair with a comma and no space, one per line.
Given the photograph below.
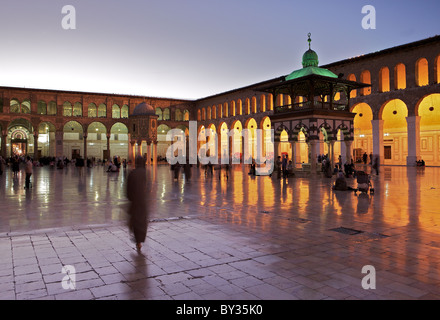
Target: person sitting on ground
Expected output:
[341,183]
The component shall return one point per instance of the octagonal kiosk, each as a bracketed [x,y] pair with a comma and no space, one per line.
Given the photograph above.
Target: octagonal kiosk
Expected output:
[143,127]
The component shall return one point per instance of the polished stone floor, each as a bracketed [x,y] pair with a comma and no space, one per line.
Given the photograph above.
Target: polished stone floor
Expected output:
[240,237]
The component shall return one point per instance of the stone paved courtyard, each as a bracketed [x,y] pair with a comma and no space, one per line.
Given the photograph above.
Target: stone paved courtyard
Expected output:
[238,238]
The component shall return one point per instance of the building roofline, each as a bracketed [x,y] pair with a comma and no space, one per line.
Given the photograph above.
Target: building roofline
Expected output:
[414,44]
[58,91]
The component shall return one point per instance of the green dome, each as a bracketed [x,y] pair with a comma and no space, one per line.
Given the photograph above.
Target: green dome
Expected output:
[310,59]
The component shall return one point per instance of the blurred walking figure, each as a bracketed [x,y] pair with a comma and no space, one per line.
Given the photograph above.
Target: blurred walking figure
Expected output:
[137,194]
[28,169]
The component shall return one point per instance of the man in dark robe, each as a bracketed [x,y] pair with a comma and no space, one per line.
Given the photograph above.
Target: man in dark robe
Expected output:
[137,194]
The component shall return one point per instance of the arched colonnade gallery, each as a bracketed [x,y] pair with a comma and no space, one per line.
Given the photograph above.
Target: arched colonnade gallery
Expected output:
[398,136]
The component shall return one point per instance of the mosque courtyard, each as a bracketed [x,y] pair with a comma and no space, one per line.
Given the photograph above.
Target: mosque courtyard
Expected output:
[235,237]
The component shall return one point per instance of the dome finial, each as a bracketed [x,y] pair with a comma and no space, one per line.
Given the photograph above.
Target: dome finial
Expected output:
[309,40]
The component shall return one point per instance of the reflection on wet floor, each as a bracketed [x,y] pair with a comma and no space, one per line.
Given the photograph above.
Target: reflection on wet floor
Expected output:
[404,197]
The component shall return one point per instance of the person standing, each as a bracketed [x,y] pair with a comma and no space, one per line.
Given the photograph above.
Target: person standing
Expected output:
[137,195]
[28,170]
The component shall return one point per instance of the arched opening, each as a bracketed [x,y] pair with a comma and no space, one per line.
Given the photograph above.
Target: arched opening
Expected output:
[124,111]
[26,107]
[199,115]
[395,137]
[353,93]
[46,140]
[67,109]
[162,143]
[437,69]
[400,76]
[203,114]
[224,141]
[262,103]
[92,110]
[102,111]
[251,126]
[429,112]
[236,148]
[97,141]
[384,79]
[232,113]
[214,112]
[185,115]
[166,114]
[14,106]
[225,110]
[208,114]
[239,106]
[41,107]
[77,109]
[20,138]
[119,141]
[366,78]
[158,112]
[178,116]
[363,131]
[422,72]
[73,137]
[116,112]
[52,108]
[219,111]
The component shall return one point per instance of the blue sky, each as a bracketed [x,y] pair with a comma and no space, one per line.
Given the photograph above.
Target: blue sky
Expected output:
[191,48]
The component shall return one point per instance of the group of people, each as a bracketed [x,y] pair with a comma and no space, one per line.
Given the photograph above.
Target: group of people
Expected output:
[284,167]
[15,165]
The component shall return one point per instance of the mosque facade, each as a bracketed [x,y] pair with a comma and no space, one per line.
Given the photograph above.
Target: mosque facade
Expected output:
[396,116]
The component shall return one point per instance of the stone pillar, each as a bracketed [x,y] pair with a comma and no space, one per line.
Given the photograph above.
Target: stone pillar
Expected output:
[331,153]
[378,139]
[85,146]
[148,152]
[348,150]
[4,138]
[155,152]
[293,147]
[312,159]
[131,151]
[36,146]
[59,137]
[413,125]
[108,145]
[139,148]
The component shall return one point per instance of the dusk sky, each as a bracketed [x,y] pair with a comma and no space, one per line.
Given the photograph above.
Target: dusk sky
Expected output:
[191,48]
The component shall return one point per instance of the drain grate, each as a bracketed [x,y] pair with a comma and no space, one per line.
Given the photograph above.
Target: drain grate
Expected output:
[348,231]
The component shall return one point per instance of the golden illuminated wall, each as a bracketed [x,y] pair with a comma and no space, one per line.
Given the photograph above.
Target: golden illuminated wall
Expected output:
[363,130]
[395,138]
[429,112]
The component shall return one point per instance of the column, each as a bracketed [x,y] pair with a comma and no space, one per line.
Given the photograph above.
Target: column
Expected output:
[4,137]
[108,145]
[293,147]
[139,148]
[59,135]
[85,146]
[312,159]
[131,151]
[413,125]
[155,152]
[148,152]
[331,153]
[36,146]
[348,150]
[378,139]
